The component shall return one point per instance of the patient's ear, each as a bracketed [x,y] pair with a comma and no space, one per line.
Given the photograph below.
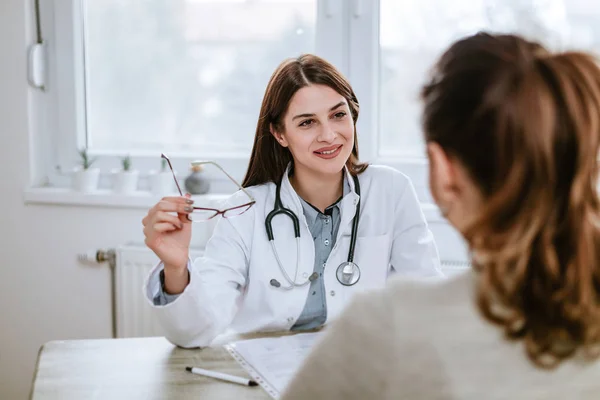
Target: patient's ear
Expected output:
[279,137]
[442,176]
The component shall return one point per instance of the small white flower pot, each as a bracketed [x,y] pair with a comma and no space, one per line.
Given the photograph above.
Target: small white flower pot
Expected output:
[86,180]
[161,183]
[126,181]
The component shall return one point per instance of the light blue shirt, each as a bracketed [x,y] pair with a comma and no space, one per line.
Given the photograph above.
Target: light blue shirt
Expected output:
[323,228]
[162,298]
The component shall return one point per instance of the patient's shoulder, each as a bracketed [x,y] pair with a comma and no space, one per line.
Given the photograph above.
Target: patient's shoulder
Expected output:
[426,303]
[430,291]
[419,303]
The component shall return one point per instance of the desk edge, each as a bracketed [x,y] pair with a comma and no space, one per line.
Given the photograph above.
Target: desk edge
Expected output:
[35,372]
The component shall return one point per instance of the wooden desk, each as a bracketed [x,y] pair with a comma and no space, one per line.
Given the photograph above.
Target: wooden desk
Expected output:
[141,368]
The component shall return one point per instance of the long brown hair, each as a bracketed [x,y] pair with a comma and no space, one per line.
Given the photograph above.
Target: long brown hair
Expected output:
[269,159]
[525,123]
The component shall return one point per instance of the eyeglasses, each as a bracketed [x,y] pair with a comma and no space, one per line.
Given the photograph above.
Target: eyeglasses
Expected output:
[203,213]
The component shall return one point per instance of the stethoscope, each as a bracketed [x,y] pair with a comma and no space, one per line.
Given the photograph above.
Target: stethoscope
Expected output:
[347,273]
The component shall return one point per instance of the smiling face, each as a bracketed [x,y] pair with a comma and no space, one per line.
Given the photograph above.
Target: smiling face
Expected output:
[318,130]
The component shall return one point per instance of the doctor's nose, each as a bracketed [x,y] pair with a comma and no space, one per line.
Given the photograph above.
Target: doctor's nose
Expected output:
[327,134]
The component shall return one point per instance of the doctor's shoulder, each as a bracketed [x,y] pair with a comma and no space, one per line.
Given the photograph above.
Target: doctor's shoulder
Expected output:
[385,180]
[257,195]
[260,193]
[242,206]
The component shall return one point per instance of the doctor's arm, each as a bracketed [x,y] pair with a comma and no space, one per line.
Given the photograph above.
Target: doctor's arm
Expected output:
[210,301]
[414,252]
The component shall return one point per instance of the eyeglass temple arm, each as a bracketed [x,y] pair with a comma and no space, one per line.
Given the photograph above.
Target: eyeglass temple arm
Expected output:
[225,172]
[163,156]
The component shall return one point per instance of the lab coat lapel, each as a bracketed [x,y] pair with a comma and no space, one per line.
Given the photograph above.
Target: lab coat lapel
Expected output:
[348,207]
[289,197]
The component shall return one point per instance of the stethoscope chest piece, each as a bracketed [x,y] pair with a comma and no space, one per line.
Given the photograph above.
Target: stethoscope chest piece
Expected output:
[348,273]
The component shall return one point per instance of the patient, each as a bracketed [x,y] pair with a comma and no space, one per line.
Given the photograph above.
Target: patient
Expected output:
[512,134]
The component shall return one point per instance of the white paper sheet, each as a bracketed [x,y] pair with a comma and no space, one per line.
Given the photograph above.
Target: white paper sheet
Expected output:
[273,361]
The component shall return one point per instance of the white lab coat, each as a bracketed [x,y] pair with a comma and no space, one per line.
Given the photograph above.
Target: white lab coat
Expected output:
[229,286]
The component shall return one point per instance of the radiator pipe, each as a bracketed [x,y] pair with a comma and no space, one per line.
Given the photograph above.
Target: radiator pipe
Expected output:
[110,256]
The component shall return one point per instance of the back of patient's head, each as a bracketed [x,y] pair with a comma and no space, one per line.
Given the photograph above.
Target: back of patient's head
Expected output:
[524,123]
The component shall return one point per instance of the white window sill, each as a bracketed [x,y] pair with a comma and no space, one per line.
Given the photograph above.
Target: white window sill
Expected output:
[144,200]
[105,198]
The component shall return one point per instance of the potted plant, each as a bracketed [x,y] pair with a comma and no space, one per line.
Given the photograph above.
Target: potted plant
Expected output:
[86,178]
[161,182]
[126,179]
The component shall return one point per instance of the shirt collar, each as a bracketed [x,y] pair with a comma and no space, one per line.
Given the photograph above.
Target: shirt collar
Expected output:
[290,198]
[311,212]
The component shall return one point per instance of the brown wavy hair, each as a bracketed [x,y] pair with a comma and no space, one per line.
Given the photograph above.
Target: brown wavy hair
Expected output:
[269,159]
[525,123]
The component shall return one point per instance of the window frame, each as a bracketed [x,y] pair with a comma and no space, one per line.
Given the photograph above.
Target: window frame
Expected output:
[345,32]
[364,31]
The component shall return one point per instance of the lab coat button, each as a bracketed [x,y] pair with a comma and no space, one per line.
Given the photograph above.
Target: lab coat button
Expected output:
[326,242]
[290,319]
[332,293]
[305,275]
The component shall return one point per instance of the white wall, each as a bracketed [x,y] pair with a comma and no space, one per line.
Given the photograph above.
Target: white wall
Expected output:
[45,294]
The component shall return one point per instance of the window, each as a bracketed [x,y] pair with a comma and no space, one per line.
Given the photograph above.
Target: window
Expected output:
[414,33]
[409,48]
[184,77]
[187,76]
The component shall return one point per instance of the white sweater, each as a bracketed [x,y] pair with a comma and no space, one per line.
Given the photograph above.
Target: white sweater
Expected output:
[426,340]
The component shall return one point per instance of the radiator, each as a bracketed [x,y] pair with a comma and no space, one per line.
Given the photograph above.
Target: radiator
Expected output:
[133,315]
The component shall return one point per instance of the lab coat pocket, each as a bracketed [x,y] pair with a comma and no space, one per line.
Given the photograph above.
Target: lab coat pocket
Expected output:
[372,255]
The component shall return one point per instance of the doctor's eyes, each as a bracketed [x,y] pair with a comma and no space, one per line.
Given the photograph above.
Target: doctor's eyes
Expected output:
[307,123]
[310,122]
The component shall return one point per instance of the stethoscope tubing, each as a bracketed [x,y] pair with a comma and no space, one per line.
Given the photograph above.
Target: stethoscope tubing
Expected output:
[280,209]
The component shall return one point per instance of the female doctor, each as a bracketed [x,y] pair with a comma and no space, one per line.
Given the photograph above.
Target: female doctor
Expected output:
[321,227]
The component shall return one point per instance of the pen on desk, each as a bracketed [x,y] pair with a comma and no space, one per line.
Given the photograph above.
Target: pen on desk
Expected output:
[222,376]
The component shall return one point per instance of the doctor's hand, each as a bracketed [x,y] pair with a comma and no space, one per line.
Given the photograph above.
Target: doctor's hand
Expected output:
[169,235]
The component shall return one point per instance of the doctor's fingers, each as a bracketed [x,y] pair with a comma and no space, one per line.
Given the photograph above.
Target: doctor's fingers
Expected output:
[160,227]
[173,204]
[162,216]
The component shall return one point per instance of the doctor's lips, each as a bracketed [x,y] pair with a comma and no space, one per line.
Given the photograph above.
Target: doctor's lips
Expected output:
[328,152]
